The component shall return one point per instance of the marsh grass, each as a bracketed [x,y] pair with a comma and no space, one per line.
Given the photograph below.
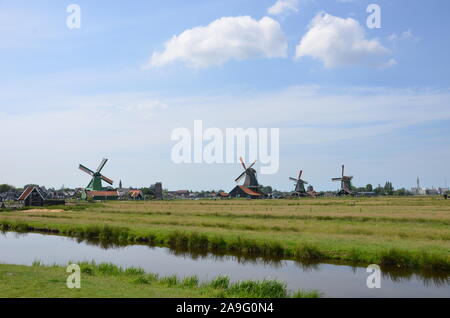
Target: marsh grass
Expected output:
[220,282]
[307,294]
[190,281]
[258,289]
[36,263]
[141,279]
[169,280]
[308,251]
[218,287]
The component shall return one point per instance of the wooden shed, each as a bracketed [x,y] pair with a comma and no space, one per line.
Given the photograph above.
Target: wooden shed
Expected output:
[31,197]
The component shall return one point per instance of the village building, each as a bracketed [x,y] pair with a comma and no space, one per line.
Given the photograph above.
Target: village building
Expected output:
[136,195]
[245,192]
[11,195]
[31,197]
[102,195]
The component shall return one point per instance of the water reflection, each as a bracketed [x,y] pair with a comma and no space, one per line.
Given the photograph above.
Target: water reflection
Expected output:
[427,277]
[334,279]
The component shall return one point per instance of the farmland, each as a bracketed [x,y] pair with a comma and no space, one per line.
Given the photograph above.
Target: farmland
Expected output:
[407,232]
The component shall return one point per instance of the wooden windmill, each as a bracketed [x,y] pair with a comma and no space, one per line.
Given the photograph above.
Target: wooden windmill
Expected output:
[250,188]
[97,177]
[299,185]
[346,183]
[250,176]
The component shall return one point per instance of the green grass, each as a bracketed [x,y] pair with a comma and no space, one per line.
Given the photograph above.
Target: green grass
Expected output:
[108,280]
[410,233]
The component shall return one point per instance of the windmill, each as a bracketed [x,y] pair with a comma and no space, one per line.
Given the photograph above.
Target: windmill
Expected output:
[299,185]
[250,176]
[97,177]
[346,183]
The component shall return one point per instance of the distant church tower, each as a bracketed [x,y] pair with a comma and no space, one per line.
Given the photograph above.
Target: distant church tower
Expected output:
[120,184]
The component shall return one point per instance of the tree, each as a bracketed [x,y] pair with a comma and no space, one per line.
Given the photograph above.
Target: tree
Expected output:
[401,192]
[147,191]
[267,189]
[379,190]
[369,188]
[388,188]
[5,188]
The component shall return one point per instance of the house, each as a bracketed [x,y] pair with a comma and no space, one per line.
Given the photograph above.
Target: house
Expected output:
[136,194]
[223,195]
[245,192]
[10,195]
[31,197]
[102,195]
[129,193]
[180,194]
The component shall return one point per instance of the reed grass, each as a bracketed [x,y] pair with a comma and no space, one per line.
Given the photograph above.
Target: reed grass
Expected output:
[109,280]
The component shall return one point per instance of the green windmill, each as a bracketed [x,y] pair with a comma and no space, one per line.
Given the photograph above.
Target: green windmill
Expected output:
[97,177]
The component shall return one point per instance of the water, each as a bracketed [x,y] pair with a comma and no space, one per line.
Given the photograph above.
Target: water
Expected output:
[331,279]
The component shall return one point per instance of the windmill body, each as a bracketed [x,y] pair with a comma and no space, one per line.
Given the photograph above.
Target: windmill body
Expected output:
[96,182]
[251,181]
[346,183]
[300,185]
[251,188]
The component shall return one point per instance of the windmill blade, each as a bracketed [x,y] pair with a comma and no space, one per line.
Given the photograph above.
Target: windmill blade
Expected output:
[243,164]
[342,171]
[102,164]
[87,170]
[107,180]
[303,181]
[336,179]
[251,166]
[300,174]
[293,179]
[240,177]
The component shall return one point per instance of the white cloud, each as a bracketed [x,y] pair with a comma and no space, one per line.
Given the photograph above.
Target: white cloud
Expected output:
[282,6]
[390,63]
[224,39]
[337,41]
[406,35]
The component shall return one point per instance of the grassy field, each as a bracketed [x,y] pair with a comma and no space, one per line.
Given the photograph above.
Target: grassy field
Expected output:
[110,281]
[407,232]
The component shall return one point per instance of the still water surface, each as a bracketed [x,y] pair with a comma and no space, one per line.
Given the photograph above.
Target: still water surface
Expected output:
[331,279]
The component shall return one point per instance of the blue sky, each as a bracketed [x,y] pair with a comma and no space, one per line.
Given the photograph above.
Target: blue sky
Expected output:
[374,99]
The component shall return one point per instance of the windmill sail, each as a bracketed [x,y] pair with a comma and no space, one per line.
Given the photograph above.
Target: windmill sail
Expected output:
[96,182]
[102,164]
[87,170]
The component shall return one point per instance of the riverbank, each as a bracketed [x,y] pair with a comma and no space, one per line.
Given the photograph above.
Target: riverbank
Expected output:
[110,281]
[410,233]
